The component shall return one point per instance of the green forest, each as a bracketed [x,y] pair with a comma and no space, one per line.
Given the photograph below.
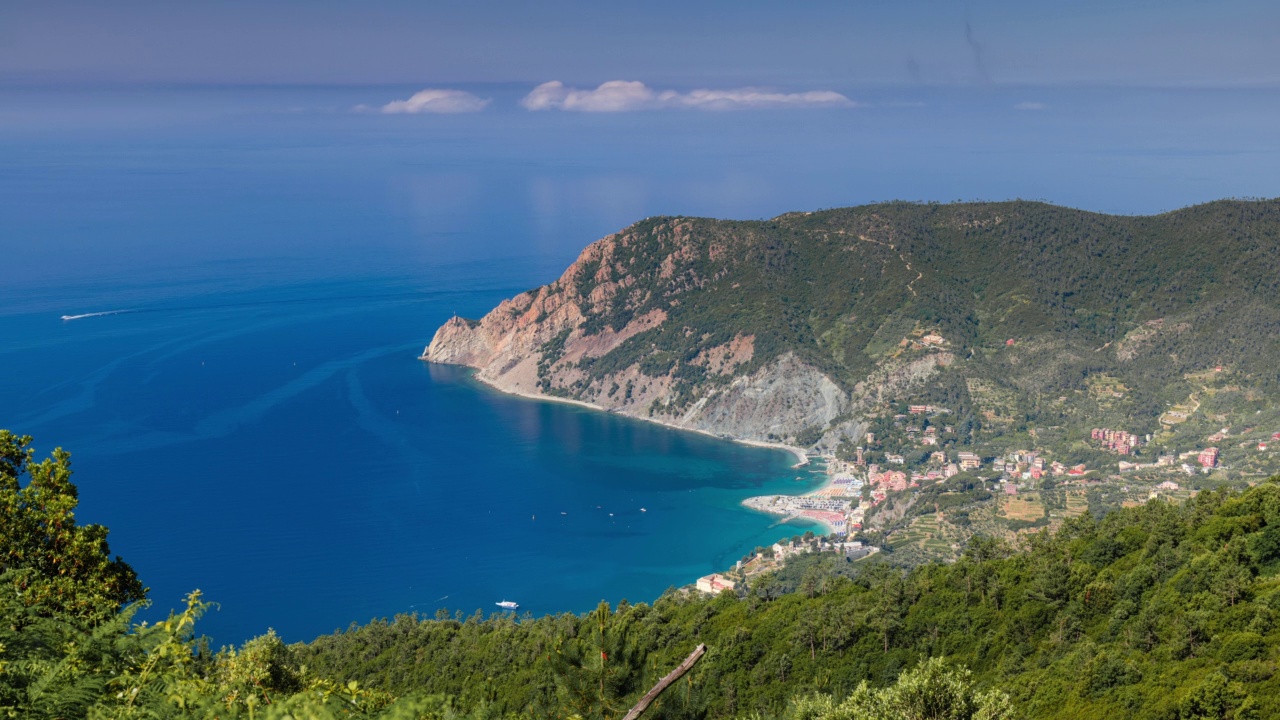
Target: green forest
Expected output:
[1161,611]
[1029,301]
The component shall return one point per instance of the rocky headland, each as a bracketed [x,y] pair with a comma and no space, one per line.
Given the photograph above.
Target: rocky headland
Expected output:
[803,329]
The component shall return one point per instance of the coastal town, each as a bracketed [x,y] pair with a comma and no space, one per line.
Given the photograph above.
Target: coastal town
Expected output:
[873,500]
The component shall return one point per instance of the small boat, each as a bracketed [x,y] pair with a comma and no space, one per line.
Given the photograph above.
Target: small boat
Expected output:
[643,510]
[508,605]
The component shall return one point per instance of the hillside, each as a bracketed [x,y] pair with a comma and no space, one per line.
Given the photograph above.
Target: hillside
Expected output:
[1155,612]
[806,328]
[1159,611]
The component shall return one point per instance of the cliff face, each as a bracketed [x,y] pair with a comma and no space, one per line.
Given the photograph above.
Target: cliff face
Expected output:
[801,328]
[543,343]
[534,344]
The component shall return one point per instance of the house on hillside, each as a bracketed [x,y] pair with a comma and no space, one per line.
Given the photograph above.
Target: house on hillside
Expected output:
[714,583]
[1208,457]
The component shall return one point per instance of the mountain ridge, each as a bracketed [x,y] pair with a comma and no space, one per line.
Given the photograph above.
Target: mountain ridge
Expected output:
[798,329]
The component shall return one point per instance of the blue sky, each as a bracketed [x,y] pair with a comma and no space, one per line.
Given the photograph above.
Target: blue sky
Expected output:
[797,46]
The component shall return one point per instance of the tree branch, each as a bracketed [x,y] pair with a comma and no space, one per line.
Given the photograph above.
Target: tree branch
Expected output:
[671,677]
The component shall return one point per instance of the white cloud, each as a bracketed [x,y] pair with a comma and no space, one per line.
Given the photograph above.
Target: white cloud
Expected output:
[625,96]
[434,101]
[1030,106]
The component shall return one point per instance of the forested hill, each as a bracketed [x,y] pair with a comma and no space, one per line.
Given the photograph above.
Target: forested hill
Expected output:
[1156,612]
[1153,612]
[797,328]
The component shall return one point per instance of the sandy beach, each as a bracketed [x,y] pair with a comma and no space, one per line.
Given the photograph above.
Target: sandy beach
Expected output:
[787,505]
[802,458]
[764,503]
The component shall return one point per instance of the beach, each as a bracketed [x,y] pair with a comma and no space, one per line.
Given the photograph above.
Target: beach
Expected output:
[802,457]
[817,506]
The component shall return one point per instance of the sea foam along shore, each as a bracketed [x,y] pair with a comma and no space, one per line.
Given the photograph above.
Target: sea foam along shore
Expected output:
[802,458]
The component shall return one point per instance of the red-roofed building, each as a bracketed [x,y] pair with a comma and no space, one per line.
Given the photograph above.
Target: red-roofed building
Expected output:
[714,583]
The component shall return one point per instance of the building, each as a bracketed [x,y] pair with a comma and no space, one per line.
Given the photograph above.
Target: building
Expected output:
[969,461]
[1208,457]
[1119,441]
[951,470]
[714,583]
[892,480]
[920,409]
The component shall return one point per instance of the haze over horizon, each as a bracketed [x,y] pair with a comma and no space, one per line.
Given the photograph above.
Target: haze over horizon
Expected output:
[683,45]
[609,113]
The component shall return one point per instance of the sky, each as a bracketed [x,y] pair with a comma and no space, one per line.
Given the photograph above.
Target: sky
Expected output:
[683,45]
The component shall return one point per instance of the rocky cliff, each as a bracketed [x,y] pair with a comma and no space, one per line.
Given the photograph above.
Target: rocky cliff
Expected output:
[543,343]
[800,328]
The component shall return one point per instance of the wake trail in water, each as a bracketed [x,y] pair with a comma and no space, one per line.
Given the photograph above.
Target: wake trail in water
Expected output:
[68,318]
[405,296]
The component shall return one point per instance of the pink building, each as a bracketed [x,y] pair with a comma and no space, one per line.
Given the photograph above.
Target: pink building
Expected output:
[1209,457]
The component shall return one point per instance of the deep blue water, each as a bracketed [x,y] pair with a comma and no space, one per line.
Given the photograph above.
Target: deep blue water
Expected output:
[258,426]
[283,450]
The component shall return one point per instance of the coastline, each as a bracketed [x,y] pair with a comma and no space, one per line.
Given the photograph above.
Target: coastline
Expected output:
[802,458]
[757,504]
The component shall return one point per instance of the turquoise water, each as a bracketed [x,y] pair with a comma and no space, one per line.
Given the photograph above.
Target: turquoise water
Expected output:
[283,450]
[257,424]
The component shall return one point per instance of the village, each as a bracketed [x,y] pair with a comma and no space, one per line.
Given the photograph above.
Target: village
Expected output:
[1029,490]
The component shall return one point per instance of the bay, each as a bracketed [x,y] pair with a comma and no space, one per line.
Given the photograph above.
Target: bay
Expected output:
[255,423]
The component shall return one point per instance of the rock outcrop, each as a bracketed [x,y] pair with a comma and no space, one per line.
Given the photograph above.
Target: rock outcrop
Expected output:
[803,328]
[532,344]
[543,343]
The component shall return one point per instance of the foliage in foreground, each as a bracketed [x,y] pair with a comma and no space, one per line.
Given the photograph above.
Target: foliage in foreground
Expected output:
[1163,612]
[1160,611]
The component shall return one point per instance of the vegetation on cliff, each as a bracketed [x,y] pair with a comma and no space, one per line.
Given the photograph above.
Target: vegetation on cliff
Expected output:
[997,310]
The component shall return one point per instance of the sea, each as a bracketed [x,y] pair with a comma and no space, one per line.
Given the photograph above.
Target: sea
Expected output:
[215,299]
